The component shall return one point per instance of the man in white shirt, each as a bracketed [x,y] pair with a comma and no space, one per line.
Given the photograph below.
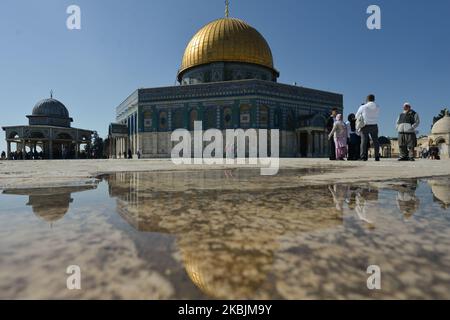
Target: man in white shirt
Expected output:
[370,113]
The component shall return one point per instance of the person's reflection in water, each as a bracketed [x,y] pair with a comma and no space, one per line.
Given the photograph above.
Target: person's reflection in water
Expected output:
[407,202]
[340,195]
[366,205]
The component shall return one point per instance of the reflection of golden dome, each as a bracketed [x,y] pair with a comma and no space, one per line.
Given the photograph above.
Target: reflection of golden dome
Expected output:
[228,273]
[227,40]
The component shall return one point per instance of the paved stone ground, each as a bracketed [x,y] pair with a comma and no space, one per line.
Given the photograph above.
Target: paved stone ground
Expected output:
[38,174]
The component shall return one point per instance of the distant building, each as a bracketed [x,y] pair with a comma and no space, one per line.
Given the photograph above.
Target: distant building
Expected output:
[48,135]
[228,81]
[440,136]
[387,147]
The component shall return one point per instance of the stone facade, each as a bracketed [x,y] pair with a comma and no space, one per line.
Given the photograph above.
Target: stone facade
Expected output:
[150,115]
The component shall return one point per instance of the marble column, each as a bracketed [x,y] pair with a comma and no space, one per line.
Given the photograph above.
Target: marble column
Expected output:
[310,142]
[24,150]
[8,150]
[77,150]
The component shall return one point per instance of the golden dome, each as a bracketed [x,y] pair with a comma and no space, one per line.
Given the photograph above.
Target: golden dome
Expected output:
[227,40]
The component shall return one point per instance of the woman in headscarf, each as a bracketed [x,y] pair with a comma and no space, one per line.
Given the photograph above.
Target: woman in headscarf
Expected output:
[339,133]
[354,138]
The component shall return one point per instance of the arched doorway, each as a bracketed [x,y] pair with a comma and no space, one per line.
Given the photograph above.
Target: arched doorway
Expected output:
[443,147]
[63,146]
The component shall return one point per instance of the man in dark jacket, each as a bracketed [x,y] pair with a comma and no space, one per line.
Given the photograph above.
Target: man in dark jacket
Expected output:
[330,125]
[407,123]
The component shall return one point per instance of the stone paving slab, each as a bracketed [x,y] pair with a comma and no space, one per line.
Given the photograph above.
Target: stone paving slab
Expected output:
[38,174]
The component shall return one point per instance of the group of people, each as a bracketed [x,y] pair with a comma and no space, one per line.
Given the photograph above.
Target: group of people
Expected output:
[365,201]
[351,139]
[432,152]
[129,154]
[19,155]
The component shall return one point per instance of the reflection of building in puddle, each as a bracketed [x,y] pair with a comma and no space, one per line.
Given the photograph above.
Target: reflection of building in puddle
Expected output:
[49,204]
[441,191]
[227,238]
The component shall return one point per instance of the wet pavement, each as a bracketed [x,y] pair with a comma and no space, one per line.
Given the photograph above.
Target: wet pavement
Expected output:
[228,234]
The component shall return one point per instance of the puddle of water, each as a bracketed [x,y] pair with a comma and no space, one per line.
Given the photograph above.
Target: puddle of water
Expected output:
[226,234]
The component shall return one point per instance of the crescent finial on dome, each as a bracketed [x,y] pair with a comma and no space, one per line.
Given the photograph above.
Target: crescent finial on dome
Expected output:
[227,8]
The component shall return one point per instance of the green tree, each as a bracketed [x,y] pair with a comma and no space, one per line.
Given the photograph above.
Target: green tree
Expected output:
[97,146]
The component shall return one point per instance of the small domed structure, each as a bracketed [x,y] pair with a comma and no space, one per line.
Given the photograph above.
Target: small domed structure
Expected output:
[49,134]
[440,136]
[50,112]
[50,108]
[443,125]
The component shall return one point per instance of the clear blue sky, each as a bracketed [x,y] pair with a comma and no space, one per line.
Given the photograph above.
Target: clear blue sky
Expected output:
[125,45]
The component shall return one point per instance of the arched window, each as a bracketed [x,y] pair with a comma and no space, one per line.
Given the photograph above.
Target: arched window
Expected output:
[163,120]
[210,119]
[263,117]
[228,118]
[277,119]
[177,119]
[193,116]
[245,116]
[147,119]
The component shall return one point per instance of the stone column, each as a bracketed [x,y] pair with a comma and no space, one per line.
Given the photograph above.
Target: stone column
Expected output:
[24,150]
[118,148]
[8,150]
[112,150]
[123,147]
[50,149]
[319,144]
[310,142]
[115,148]
[77,148]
